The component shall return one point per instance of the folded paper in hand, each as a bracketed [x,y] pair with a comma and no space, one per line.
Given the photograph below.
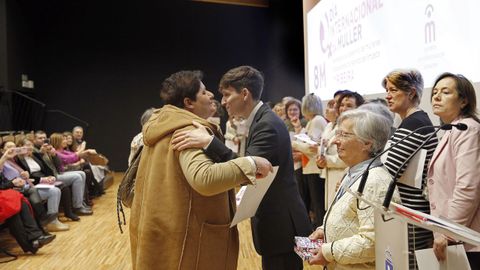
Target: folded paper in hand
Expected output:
[304,138]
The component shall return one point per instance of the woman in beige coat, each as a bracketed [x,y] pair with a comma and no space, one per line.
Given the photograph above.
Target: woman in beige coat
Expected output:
[184,203]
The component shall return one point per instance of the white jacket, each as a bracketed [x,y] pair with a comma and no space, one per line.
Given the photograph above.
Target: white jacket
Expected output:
[349,232]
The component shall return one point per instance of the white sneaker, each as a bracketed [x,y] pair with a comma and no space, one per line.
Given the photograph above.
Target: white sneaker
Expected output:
[57,226]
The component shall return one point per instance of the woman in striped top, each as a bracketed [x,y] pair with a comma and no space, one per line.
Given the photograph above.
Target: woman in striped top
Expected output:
[404,91]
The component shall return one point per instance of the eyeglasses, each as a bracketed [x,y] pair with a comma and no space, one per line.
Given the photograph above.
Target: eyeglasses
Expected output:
[342,134]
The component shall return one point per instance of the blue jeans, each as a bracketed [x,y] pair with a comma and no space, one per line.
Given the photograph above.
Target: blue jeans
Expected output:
[76,179]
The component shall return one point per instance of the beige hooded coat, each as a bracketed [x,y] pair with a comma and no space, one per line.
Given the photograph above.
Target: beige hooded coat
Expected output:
[183,202]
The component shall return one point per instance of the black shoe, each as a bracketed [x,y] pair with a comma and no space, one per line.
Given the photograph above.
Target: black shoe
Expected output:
[86,206]
[72,216]
[42,241]
[82,211]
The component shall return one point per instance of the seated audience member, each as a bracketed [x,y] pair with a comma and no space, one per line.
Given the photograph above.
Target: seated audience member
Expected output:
[348,232]
[296,124]
[404,90]
[74,179]
[71,161]
[19,179]
[98,172]
[453,173]
[77,133]
[312,110]
[137,141]
[191,229]
[52,193]
[42,174]
[22,225]
[71,143]
[68,158]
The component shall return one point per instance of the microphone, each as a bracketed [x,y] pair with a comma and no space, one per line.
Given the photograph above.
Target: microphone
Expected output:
[391,187]
[459,126]
[363,181]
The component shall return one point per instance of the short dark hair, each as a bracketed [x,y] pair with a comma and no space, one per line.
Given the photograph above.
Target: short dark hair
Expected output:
[359,100]
[180,85]
[39,132]
[244,77]
[341,92]
[465,91]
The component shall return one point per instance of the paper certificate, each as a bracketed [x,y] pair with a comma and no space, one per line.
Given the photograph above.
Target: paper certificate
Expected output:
[44,186]
[252,196]
[456,259]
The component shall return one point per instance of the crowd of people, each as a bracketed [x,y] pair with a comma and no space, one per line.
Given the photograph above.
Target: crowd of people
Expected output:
[42,175]
[184,199]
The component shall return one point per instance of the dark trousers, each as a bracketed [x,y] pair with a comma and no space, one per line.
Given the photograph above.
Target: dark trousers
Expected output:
[283,261]
[474,259]
[66,200]
[36,202]
[92,187]
[303,188]
[316,187]
[24,228]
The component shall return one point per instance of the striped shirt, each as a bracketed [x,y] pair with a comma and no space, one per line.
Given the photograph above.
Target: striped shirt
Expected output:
[413,197]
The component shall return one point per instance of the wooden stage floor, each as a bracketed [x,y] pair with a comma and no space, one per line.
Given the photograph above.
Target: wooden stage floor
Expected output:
[95,242]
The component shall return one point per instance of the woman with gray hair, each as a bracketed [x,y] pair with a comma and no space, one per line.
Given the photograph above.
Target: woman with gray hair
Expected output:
[404,91]
[380,108]
[348,232]
[312,110]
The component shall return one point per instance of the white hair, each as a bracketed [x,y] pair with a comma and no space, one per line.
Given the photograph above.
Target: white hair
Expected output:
[369,126]
[380,109]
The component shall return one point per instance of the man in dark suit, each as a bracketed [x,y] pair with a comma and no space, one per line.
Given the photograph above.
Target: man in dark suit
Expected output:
[281,214]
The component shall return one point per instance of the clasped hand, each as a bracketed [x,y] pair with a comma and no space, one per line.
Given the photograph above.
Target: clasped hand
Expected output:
[195,138]
[318,257]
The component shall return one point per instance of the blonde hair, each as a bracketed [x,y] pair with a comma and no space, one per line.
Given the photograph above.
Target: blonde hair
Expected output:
[56,140]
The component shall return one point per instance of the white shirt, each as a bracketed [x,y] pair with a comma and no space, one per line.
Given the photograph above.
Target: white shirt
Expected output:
[33,165]
[248,123]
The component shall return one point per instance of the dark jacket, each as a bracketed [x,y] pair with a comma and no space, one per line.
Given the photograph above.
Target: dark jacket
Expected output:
[5,183]
[44,169]
[281,215]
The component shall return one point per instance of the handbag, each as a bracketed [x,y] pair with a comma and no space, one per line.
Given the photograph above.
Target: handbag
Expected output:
[98,159]
[10,203]
[126,189]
